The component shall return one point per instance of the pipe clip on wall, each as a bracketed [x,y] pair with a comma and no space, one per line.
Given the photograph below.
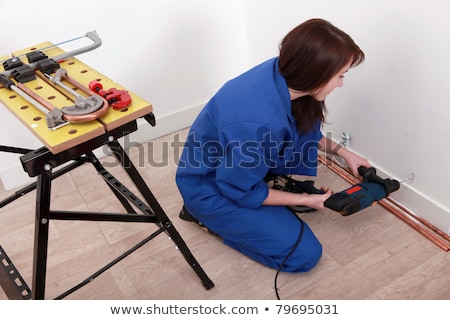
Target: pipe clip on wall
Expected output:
[408,179]
[346,137]
[422,226]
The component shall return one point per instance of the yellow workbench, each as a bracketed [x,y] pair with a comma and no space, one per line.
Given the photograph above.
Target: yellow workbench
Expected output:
[68,147]
[68,135]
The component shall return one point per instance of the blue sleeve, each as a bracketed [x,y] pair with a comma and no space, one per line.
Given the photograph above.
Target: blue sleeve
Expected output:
[246,162]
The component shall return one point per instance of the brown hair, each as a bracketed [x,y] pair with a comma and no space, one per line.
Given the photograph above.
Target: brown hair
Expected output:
[310,56]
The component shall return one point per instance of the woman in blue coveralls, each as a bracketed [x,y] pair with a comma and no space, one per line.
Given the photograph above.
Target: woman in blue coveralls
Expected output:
[267,121]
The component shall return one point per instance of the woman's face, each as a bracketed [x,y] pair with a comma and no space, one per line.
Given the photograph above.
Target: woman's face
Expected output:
[336,81]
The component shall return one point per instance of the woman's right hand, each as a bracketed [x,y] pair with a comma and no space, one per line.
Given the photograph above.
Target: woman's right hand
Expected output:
[284,198]
[316,201]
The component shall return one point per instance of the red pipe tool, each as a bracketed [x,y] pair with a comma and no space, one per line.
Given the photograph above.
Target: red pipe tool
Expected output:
[116,98]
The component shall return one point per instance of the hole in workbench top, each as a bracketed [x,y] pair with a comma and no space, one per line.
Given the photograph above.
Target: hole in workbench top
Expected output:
[123,110]
[71,63]
[24,107]
[13,96]
[84,71]
[37,118]
[38,88]
[73,131]
[51,97]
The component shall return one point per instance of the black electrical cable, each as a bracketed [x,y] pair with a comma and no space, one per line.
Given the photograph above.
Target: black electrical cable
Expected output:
[277,184]
[289,254]
[294,186]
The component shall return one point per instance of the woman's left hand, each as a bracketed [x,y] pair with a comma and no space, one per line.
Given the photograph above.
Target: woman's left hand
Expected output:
[353,161]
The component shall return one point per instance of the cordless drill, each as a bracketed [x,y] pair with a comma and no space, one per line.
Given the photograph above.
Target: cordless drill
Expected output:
[362,195]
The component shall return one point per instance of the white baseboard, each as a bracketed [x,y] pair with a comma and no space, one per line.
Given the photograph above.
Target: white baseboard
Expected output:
[14,176]
[421,205]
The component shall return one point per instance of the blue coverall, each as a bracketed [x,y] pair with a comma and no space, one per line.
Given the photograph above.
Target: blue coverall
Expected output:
[244,132]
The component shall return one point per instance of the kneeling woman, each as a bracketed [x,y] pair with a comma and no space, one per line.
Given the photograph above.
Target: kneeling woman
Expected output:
[268,121]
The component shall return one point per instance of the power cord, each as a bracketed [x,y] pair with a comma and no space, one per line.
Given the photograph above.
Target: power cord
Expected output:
[289,254]
[289,184]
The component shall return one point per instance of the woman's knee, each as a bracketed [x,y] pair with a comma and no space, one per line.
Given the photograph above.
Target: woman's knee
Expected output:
[306,255]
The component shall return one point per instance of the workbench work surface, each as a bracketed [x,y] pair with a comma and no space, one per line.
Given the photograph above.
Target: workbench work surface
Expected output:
[69,135]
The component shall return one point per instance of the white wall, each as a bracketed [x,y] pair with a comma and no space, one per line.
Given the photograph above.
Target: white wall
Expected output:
[173,53]
[396,106]
[177,53]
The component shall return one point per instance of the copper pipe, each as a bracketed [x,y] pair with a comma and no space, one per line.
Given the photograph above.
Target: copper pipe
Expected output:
[422,226]
[35,96]
[97,114]
[67,117]
[421,220]
[87,117]
[388,205]
[77,84]
[72,118]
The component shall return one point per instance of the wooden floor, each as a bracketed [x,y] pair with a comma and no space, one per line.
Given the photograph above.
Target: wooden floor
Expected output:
[369,255]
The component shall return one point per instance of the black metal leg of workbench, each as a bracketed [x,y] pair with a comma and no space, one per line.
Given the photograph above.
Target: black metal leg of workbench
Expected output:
[44,181]
[158,211]
[94,161]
